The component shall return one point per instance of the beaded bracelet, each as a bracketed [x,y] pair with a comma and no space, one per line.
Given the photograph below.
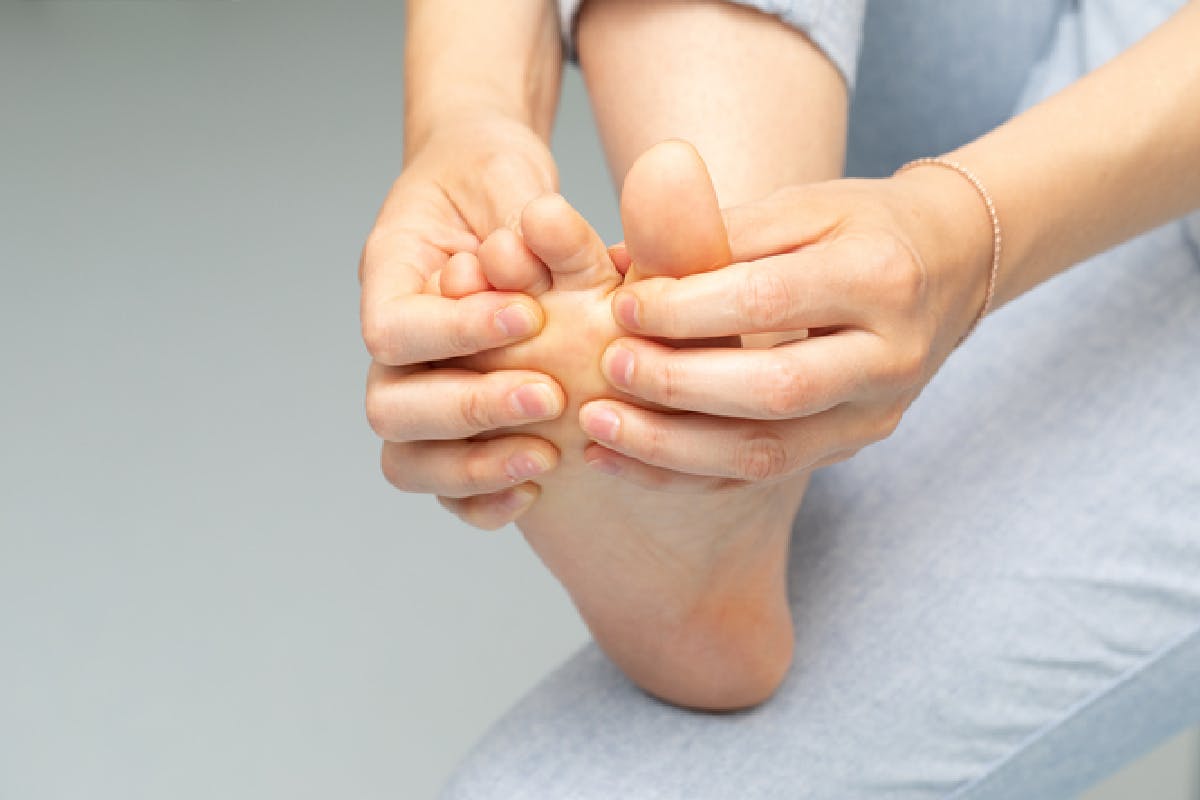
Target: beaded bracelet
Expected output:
[991,209]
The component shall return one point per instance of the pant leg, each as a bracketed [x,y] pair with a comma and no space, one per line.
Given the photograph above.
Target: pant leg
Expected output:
[835,27]
[1001,600]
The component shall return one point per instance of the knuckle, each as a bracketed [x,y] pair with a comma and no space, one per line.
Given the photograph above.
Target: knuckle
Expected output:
[782,392]
[656,445]
[889,421]
[372,249]
[661,313]
[378,414]
[760,456]
[670,382]
[475,411]
[476,470]
[900,271]
[461,336]
[394,472]
[765,300]
[377,336]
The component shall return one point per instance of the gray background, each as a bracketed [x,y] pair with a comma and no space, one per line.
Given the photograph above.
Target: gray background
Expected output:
[206,588]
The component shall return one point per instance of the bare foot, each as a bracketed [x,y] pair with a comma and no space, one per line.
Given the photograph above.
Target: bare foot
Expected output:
[685,592]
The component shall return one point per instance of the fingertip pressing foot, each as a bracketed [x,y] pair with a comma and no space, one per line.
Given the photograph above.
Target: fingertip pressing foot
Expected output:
[572,250]
[508,266]
[462,275]
[619,254]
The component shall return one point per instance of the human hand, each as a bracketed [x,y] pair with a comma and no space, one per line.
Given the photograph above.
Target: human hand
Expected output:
[459,184]
[554,255]
[720,634]
[887,275]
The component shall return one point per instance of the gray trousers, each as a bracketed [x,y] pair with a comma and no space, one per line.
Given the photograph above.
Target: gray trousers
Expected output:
[1002,600]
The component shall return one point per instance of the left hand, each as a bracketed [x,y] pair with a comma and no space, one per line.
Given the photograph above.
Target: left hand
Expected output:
[887,275]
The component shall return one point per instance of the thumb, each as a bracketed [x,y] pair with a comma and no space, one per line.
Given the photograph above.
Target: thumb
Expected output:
[673,223]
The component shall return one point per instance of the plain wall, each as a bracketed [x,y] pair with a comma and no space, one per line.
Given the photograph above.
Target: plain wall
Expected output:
[206,587]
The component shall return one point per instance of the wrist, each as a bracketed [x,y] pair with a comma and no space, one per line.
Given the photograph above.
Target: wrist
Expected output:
[464,60]
[951,230]
[477,107]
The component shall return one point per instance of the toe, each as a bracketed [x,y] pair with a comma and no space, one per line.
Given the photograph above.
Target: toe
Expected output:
[572,250]
[510,267]
[673,224]
[461,276]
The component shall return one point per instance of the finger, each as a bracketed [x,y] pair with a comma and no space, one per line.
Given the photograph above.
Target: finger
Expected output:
[655,479]
[464,468]
[462,275]
[510,267]
[794,379]
[492,511]
[731,448]
[792,217]
[569,247]
[410,328]
[619,254]
[405,404]
[410,237]
[806,289]
[401,324]
[434,284]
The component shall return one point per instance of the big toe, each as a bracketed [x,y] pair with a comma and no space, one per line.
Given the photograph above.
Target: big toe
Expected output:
[669,209]
[569,247]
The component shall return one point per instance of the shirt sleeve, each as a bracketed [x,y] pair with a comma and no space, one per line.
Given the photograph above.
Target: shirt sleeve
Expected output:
[835,26]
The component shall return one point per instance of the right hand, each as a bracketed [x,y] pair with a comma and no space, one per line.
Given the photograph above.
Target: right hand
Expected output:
[459,183]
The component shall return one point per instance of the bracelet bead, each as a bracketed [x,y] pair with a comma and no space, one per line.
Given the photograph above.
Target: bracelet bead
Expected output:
[992,215]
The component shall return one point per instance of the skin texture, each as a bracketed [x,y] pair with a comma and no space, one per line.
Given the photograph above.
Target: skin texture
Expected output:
[482,87]
[714,577]
[700,594]
[886,275]
[728,48]
[909,258]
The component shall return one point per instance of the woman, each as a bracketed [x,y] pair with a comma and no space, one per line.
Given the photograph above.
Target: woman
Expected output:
[1008,580]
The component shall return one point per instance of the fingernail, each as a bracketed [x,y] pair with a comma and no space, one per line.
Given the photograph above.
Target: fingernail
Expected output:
[533,401]
[605,465]
[601,424]
[625,307]
[515,320]
[619,366]
[525,465]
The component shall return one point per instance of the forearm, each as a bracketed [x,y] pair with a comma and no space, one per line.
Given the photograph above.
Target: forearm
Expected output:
[464,57]
[1111,156]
